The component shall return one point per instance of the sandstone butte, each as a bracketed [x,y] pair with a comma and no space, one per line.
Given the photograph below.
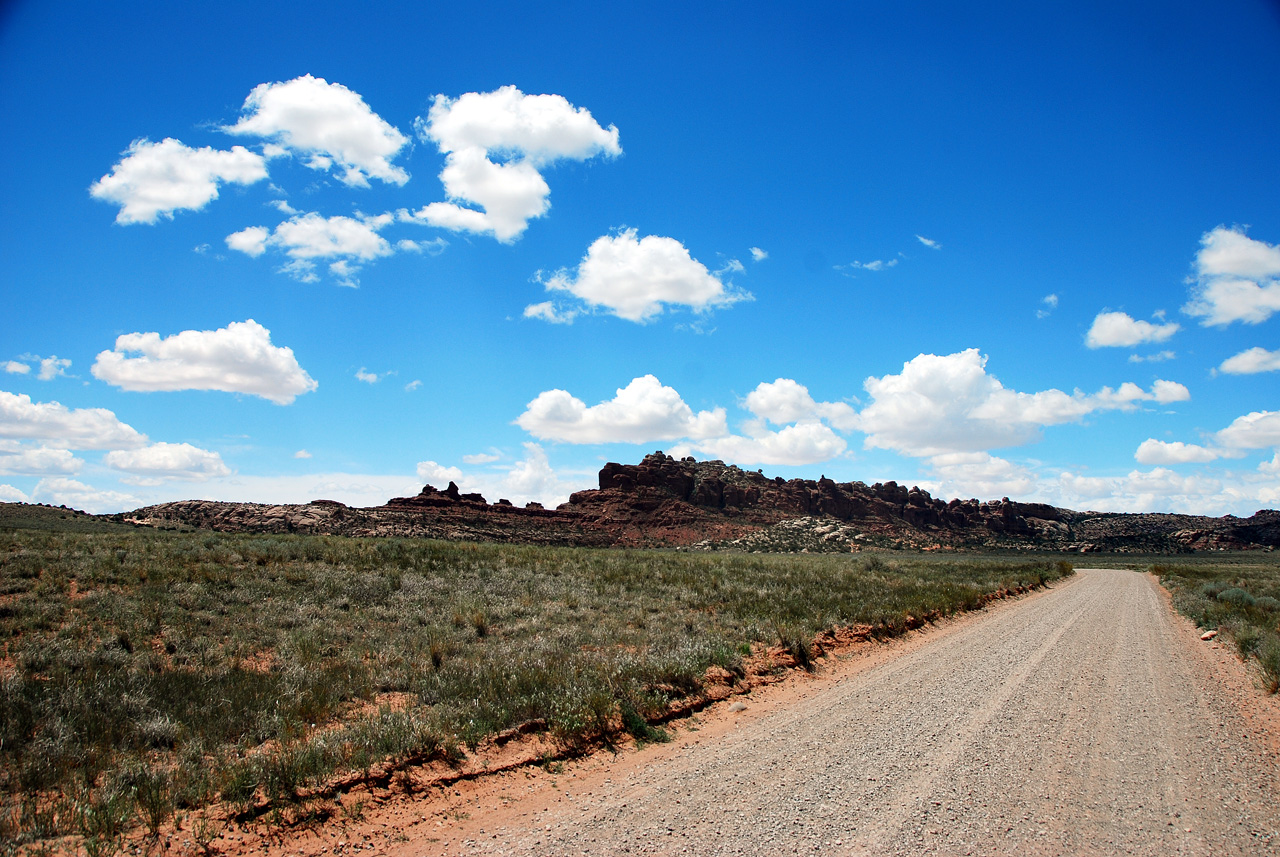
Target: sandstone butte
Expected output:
[682,503]
[664,502]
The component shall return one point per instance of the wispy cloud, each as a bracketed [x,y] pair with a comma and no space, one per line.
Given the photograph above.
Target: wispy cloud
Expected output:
[1158,357]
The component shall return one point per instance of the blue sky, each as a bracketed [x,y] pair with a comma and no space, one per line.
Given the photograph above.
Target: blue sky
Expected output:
[279,252]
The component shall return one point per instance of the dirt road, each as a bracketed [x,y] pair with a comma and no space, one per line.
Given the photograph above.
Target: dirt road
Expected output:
[1080,721]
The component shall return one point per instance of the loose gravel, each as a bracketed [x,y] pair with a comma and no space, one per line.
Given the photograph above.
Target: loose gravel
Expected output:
[1075,722]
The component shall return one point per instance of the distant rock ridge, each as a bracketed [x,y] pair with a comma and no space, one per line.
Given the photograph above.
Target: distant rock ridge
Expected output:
[664,501]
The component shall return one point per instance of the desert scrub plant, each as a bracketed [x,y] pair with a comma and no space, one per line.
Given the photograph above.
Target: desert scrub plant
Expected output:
[1239,597]
[1268,655]
[102,817]
[798,645]
[254,667]
[153,791]
[638,726]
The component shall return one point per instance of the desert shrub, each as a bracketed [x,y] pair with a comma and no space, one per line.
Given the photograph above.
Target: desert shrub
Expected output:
[1269,659]
[102,817]
[210,657]
[240,784]
[799,645]
[290,767]
[637,725]
[1236,596]
[1247,637]
[1210,589]
[153,791]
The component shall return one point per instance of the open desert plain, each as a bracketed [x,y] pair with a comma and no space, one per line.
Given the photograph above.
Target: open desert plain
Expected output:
[834,427]
[184,691]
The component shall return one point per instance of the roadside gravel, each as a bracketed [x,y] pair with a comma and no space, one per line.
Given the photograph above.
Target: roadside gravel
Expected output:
[1080,721]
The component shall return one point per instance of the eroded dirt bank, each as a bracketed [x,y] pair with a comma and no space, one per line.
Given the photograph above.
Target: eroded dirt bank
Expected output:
[1082,721]
[1088,719]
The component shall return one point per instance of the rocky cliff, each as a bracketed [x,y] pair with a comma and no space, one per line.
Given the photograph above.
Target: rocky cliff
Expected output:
[663,501]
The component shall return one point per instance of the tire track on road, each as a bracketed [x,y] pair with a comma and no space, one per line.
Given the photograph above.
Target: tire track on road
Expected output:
[1074,722]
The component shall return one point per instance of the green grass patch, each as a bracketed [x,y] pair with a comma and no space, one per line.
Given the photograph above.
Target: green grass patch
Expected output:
[1239,597]
[147,673]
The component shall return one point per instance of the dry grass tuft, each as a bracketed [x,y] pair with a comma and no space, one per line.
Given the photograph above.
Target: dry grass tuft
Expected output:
[149,673]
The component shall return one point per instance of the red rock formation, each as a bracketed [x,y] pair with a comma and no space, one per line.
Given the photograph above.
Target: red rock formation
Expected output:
[663,501]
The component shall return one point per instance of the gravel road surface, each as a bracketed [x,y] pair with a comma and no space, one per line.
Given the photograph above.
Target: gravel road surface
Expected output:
[1080,721]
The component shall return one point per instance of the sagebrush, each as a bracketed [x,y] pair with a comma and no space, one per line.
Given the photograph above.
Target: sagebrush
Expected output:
[149,672]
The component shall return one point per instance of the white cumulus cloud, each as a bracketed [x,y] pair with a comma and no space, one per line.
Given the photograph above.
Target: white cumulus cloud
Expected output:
[1166,393]
[758,255]
[540,128]
[61,491]
[533,478]
[803,443]
[252,240]
[163,462]
[946,404]
[53,367]
[156,179]
[529,479]
[1157,490]
[1162,482]
[1118,329]
[238,358]
[642,411]
[510,194]
[1251,362]
[58,426]
[1257,430]
[326,124]
[635,278]
[929,242]
[9,494]
[310,237]
[437,475]
[1271,467]
[1152,451]
[496,144]
[19,459]
[50,367]
[1237,279]
[787,401]
[979,474]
